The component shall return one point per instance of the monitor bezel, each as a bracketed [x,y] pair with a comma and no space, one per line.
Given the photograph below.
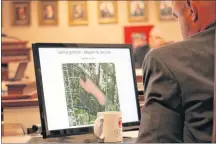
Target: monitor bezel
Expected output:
[73,131]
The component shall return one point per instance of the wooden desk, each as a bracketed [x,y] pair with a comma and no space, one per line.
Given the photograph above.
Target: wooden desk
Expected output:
[20,102]
[13,51]
[12,129]
[27,98]
[86,138]
[139,80]
[21,107]
[139,75]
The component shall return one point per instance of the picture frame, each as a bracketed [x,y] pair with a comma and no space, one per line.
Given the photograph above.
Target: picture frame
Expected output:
[21,13]
[131,31]
[107,12]
[48,12]
[2,9]
[78,13]
[137,11]
[165,10]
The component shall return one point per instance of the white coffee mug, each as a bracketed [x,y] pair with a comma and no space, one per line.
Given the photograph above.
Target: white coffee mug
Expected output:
[108,126]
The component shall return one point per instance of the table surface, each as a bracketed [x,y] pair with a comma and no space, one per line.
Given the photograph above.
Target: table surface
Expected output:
[86,138]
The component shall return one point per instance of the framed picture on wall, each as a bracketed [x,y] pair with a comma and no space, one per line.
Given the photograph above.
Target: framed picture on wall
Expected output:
[107,12]
[137,11]
[78,13]
[165,10]
[21,13]
[131,33]
[48,12]
[2,8]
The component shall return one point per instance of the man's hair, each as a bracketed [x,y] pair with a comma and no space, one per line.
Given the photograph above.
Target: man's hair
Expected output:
[139,36]
[157,32]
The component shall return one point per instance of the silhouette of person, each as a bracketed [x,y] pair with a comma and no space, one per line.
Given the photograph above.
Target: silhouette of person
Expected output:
[78,12]
[21,13]
[138,10]
[105,12]
[166,10]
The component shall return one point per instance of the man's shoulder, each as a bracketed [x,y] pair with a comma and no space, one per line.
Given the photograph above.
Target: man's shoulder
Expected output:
[168,50]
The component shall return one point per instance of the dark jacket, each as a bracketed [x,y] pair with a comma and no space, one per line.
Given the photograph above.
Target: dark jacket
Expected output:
[139,55]
[178,81]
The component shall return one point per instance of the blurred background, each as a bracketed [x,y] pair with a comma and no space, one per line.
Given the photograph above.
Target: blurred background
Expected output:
[27,21]
[144,24]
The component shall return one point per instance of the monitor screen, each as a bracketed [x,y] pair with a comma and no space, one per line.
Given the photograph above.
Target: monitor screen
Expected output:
[79,82]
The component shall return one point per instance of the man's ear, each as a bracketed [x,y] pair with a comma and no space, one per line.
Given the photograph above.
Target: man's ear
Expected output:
[193,10]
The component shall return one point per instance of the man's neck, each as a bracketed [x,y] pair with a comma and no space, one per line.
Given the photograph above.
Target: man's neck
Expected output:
[211,25]
[207,26]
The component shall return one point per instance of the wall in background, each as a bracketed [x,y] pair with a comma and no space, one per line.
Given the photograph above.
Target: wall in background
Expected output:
[92,33]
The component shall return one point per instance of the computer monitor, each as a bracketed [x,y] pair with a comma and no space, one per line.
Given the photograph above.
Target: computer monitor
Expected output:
[75,81]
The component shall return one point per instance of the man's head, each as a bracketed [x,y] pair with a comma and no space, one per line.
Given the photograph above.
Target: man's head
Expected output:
[156,38]
[138,40]
[194,15]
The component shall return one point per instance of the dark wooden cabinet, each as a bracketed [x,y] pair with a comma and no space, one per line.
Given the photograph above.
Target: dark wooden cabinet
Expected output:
[19,92]
[13,51]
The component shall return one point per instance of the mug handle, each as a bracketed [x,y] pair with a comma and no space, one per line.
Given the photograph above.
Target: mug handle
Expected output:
[98,127]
